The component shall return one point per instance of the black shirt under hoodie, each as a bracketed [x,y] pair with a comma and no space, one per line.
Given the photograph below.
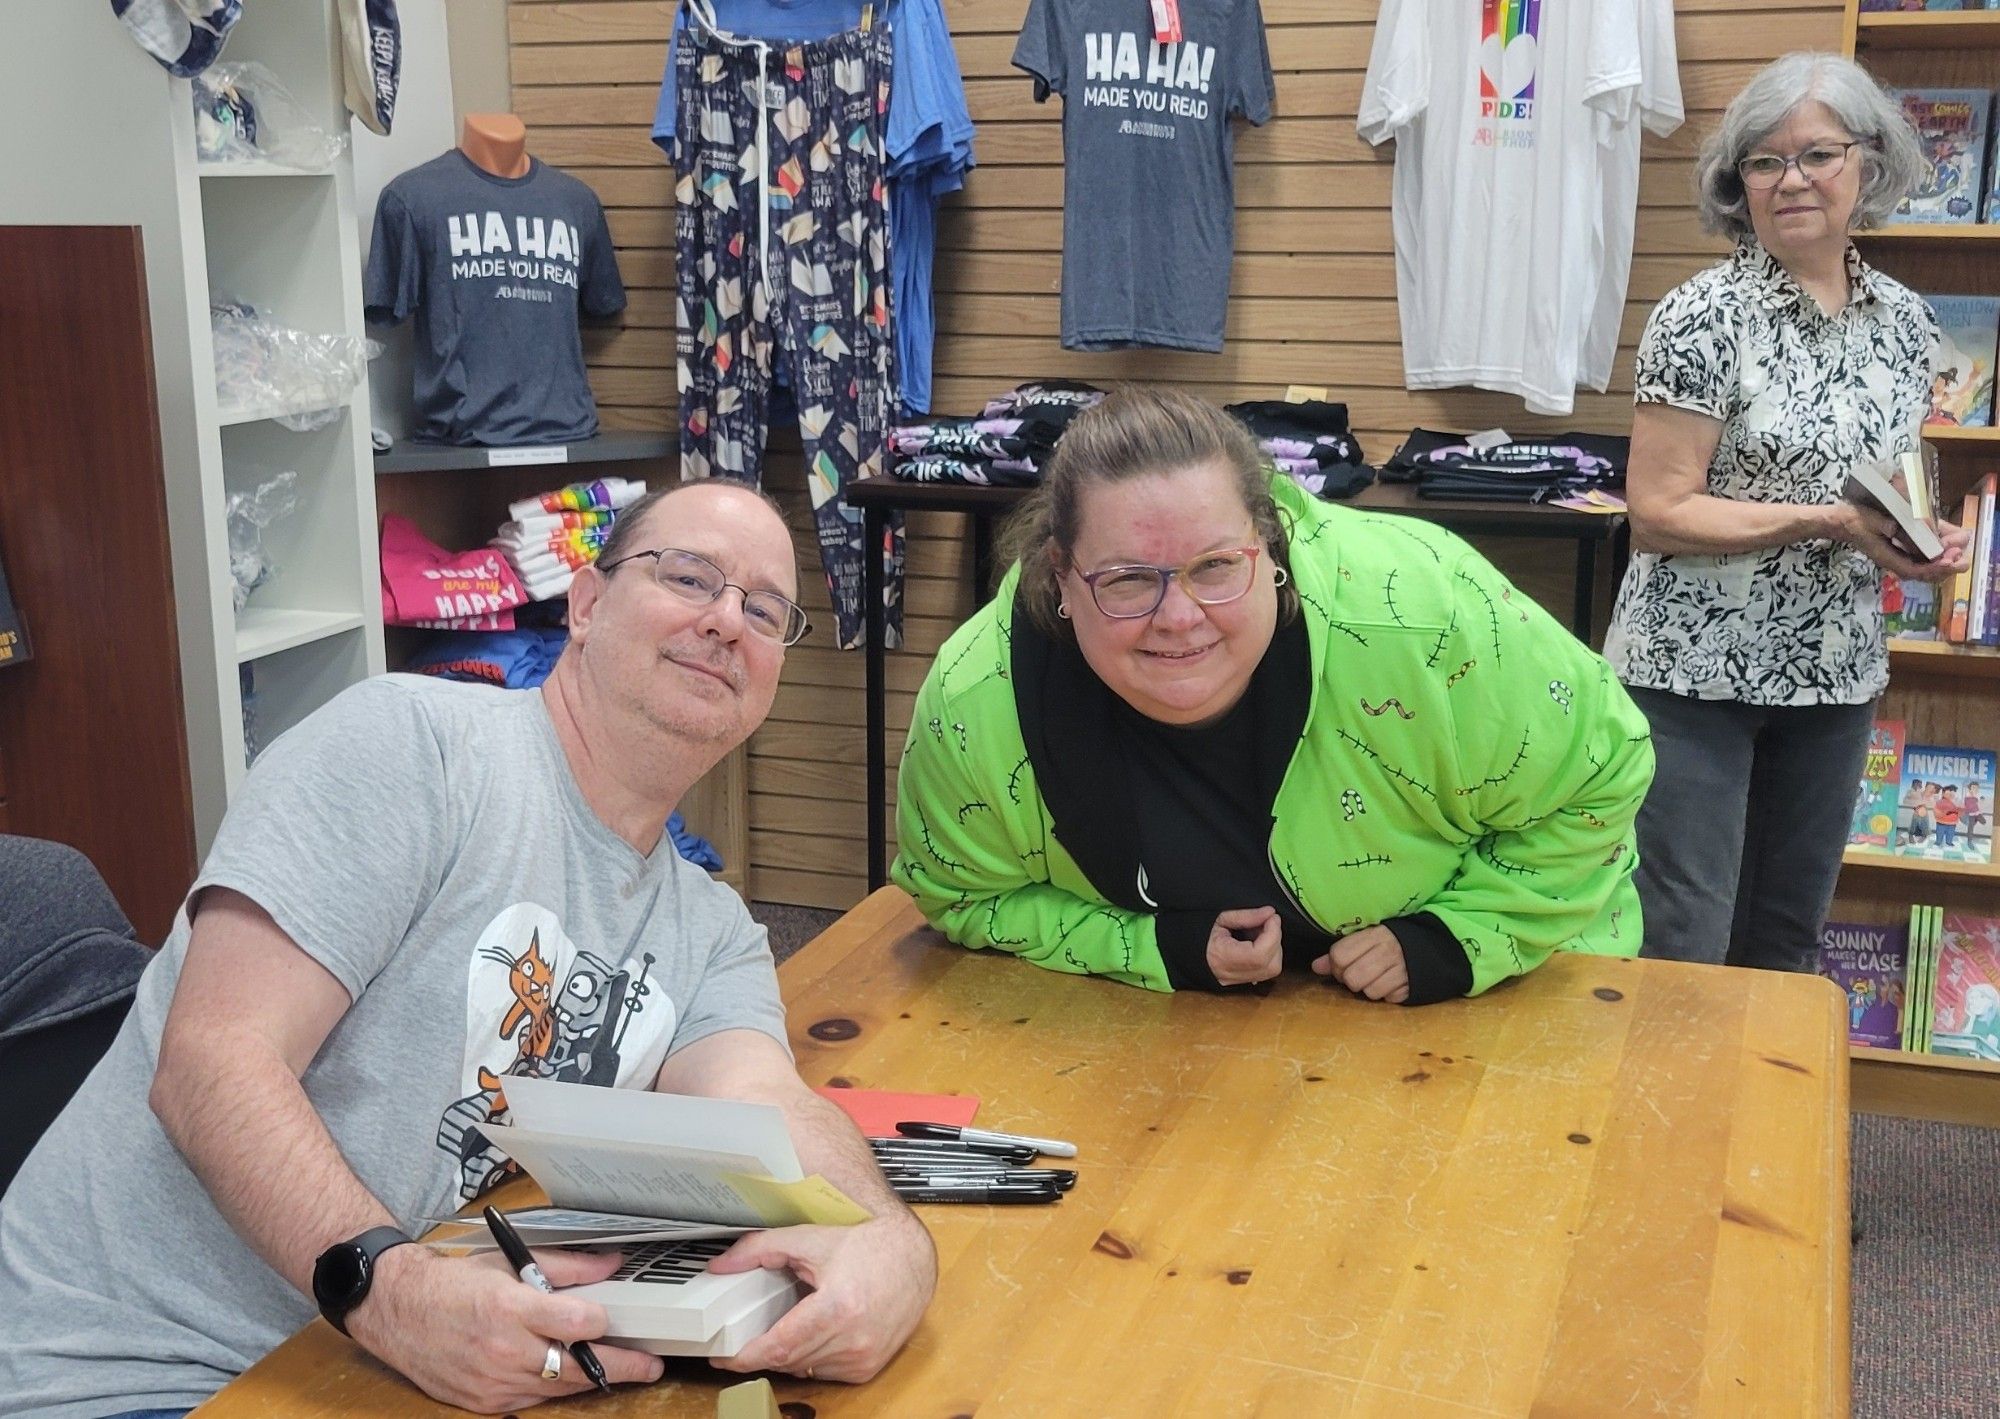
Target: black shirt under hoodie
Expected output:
[1176,822]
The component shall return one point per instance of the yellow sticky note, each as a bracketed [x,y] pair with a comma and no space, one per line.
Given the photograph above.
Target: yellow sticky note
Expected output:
[1301,393]
[811,1200]
[755,1400]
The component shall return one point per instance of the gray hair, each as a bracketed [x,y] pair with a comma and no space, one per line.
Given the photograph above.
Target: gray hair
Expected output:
[1892,163]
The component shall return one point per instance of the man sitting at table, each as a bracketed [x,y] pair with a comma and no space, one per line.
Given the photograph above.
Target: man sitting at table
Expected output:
[422,889]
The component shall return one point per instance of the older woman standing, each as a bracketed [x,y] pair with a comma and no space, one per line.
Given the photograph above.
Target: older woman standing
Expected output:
[1749,625]
[1211,727]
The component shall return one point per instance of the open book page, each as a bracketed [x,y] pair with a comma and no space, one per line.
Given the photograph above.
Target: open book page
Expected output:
[661,1162]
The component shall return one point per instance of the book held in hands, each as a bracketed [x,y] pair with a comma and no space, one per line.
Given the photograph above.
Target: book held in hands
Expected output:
[672,1180]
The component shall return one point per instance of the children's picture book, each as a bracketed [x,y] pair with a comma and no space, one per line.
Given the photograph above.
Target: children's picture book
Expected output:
[1951,128]
[1968,337]
[1874,823]
[1965,1001]
[1945,811]
[1868,963]
[1909,608]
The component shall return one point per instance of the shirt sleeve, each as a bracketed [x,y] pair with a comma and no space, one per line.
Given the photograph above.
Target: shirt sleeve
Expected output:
[964,855]
[739,983]
[1612,61]
[603,292]
[1253,88]
[666,110]
[289,841]
[1555,760]
[1396,89]
[1660,106]
[1688,356]
[1039,50]
[392,285]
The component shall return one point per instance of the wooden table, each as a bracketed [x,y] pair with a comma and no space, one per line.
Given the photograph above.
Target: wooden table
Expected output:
[1614,1188]
[878,497]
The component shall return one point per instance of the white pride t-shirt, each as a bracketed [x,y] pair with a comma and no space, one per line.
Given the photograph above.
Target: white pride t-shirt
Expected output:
[1517,128]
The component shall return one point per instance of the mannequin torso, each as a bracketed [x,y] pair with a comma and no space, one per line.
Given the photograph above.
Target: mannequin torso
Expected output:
[497,143]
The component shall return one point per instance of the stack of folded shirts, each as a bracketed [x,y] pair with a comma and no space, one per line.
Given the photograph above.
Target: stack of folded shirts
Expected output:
[553,534]
[1309,441]
[1005,445]
[425,585]
[1453,466]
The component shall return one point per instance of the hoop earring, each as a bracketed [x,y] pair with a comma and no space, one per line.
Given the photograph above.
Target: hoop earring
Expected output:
[1062,609]
[1280,576]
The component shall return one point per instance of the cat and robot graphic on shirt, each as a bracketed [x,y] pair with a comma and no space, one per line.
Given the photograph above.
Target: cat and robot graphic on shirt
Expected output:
[540,1007]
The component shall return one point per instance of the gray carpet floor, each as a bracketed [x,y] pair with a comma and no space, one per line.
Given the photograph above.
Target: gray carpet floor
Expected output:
[1926,1299]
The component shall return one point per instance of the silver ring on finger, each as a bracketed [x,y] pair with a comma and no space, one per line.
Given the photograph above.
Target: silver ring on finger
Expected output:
[552,1362]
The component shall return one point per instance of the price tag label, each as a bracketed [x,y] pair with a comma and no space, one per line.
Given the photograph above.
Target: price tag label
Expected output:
[514,457]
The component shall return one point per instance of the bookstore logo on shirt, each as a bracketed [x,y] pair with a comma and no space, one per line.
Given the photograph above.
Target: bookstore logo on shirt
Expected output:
[1510,35]
[1174,80]
[537,249]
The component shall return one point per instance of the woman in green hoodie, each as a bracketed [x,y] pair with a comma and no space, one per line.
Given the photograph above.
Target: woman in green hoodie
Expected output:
[1211,727]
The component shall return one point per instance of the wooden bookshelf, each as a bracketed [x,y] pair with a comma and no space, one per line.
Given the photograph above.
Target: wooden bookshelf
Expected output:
[1943,658]
[1937,232]
[1978,871]
[1932,1086]
[1943,693]
[1971,440]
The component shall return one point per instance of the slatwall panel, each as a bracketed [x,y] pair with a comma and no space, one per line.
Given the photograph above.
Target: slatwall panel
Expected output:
[1312,302]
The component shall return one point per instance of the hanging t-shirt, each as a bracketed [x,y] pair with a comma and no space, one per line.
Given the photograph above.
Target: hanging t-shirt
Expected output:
[497,271]
[1517,130]
[1149,195]
[927,146]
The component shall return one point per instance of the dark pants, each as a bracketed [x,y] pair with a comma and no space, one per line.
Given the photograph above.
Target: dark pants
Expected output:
[1741,836]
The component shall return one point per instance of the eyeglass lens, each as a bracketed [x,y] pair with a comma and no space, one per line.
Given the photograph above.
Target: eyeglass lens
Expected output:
[697,580]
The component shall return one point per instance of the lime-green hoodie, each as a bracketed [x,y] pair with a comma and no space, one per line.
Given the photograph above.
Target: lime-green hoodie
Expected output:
[1464,755]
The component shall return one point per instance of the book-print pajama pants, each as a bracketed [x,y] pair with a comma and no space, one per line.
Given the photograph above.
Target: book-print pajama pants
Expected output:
[781,168]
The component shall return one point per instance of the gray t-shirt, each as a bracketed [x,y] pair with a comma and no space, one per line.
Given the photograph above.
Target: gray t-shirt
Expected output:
[495,270]
[1149,195]
[426,843]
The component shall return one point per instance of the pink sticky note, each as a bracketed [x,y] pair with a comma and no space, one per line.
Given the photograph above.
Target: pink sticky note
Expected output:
[876,1112]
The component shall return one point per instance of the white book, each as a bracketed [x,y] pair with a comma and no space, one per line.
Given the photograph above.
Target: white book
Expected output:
[1879,486]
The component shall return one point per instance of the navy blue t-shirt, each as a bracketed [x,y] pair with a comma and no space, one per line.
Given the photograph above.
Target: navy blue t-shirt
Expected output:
[496,271]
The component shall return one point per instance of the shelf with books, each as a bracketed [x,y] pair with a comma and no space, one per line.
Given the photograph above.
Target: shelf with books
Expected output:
[1939,731]
[1932,29]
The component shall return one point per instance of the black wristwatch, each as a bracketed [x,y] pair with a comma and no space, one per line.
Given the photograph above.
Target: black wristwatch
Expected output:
[344,1272]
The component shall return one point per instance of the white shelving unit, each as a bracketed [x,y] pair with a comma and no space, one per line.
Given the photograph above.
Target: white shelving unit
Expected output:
[123,153]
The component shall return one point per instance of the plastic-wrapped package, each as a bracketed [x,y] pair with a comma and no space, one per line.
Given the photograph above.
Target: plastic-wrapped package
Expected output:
[264,366]
[249,514]
[242,114]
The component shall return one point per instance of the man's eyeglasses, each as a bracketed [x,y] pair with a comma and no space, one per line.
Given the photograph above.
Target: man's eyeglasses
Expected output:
[1762,171]
[1213,579]
[698,581]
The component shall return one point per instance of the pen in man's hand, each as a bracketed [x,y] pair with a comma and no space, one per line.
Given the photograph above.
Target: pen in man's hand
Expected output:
[523,1262]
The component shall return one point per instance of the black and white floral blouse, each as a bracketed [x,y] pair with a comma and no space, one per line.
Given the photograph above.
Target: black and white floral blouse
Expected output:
[1802,397]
